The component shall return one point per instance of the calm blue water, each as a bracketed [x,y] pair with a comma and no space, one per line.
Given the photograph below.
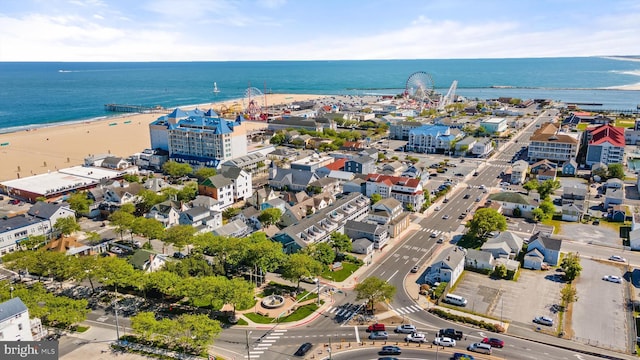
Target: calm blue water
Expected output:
[42,93]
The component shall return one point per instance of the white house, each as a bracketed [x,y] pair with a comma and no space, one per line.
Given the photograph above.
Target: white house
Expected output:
[14,321]
[448,267]
[148,261]
[167,212]
[504,245]
[201,218]
[512,200]
[494,124]
[482,147]
[479,259]
[241,179]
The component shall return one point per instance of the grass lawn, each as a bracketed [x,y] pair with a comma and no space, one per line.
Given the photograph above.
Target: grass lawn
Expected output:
[557,225]
[469,242]
[300,313]
[582,126]
[256,318]
[626,123]
[305,295]
[340,275]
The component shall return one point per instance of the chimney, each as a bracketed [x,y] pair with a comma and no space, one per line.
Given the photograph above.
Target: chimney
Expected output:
[448,258]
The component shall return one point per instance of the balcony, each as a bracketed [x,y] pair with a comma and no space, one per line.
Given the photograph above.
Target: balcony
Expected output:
[336,216]
[328,225]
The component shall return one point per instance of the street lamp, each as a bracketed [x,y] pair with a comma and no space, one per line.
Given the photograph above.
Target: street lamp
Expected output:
[247,333]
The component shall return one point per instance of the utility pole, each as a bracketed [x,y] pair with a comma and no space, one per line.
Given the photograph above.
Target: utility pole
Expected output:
[318,283]
[247,333]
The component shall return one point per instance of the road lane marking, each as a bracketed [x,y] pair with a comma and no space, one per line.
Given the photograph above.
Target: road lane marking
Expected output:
[392,275]
[357,335]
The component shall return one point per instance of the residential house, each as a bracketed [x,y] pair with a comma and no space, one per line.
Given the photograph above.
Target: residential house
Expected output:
[114,163]
[481,260]
[291,179]
[400,130]
[575,193]
[389,212]
[393,168]
[362,246]
[312,162]
[570,168]
[519,171]
[295,212]
[326,184]
[542,166]
[406,190]
[235,228]
[504,245]
[370,152]
[549,143]
[614,183]
[253,163]
[201,218]
[482,147]
[613,196]
[634,234]
[412,172]
[341,176]
[120,193]
[148,261]
[548,251]
[512,200]
[353,145]
[465,145]
[261,196]
[357,185]
[573,211]
[250,216]
[360,165]
[14,322]
[155,184]
[205,202]
[283,154]
[167,212]
[605,144]
[448,266]
[617,213]
[336,165]
[241,180]
[218,187]
[318,227]
[374,232]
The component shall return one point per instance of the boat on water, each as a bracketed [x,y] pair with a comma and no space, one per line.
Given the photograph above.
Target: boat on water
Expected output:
[215,88]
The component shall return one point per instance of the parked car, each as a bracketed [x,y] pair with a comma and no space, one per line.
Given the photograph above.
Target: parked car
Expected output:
[179,255]
[405,329]
[440,240]
[390,350]
[444,341]
[462,216]
[379,335]
[303,349]
[416,337]
[309,280]
[494,342]
[480,348]
[543,320]
[388,358]
[613,279]
[415,269]
[376,327]
[617,258]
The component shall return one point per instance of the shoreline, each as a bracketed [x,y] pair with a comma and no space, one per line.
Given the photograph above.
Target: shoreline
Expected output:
[54,146]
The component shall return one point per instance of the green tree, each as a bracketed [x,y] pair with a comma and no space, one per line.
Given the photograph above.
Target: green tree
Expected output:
[145,325]
[277,139]
[113,271]
[188,192]
[531,185]
[80,203]
[148,199]
[538,214]
[66,225]
[32,242]
[179,235]
[568,295]
[322,252]
[122,220]
[194,332]
[340,242]
[517,212]
[547,208]
[616,171]
[500,271]
[375,197]
[485,221]
[227,252]
[238,293]
[263,254]
[547,187]
[230,212]
[93,237]
[204,173]
[602,172]
[270,216]
[374,290]
[128,208]
[300,265]
[571,266]
[176,169]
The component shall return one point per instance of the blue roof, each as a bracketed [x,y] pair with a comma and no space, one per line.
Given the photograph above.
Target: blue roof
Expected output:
[217,126]
[433,130]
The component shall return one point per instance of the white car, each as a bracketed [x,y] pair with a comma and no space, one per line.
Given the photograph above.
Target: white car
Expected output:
[444,341]
[309,280]
[617,258]
[416,337]
[613,279]
[406,329]
[543,320]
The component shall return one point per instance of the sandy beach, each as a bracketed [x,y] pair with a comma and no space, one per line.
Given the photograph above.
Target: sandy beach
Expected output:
[37,151]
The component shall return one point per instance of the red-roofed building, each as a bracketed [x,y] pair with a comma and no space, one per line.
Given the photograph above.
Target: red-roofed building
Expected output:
[404,189]
[337,165]
[605,145]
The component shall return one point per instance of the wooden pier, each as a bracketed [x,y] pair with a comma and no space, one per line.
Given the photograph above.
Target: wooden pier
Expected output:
[123,108]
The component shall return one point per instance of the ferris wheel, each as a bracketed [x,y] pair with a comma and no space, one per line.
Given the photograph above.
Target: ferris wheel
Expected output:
[420,87]
[251,103]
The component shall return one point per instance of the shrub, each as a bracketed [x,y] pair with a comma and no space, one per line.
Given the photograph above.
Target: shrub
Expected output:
[467,320]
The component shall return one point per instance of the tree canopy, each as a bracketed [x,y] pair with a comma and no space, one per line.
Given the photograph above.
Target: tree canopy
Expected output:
[176,169]
[66,225]
[485,221]
[300,265]
[615,171]
[571,266]
[270,216]
[374,290]
[80,203]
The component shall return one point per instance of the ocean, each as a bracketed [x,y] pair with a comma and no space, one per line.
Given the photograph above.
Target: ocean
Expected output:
[40,94]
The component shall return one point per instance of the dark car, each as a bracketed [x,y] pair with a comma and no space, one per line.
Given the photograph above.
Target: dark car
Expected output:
[388,358]
[390,350]
[303,349]
[179,255]
[466,196]
[461,356]
[494,342]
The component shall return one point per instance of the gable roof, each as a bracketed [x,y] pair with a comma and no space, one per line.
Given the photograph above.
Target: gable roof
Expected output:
[450,258]
[511,197]
[473,254]
[389,203]
[549,132]
[11,308]
[393,180]
[546,241]
[43,210]
[337,164]
[217,181]
[607,133]
[514,241]
[140,257]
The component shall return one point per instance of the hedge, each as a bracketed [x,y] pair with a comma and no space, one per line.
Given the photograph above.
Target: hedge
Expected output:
[467,320]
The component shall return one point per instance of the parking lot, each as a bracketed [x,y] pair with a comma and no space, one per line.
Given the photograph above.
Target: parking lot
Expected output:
[599,317]
[590,234]
[517,302]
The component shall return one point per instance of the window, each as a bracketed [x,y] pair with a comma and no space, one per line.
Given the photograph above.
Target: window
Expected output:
[20,327]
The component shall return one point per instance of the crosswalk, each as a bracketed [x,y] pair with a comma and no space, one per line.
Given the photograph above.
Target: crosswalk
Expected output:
[437,232]
[265,343]
[407,309]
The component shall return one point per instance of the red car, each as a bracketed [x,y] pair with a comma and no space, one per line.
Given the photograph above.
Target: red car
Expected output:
[493,342]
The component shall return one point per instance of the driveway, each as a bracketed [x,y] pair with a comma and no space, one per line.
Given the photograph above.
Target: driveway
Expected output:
[599,317]
[589,234]
[516,301]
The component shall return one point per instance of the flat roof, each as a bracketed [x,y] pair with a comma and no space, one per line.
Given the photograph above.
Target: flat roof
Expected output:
[494,120]
[69,178]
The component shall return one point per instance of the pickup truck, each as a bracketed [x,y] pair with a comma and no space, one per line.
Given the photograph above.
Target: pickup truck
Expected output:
[451,333]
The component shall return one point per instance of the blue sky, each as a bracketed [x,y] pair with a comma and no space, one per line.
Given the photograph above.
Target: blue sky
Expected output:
[226,30]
